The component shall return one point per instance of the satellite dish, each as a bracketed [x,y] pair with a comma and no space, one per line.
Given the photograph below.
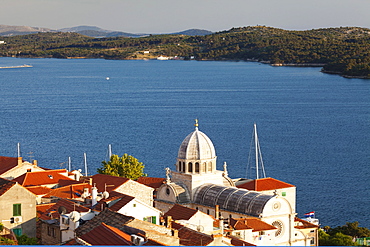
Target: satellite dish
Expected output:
[200,228]
[75,216]
[105,194]
[62,210]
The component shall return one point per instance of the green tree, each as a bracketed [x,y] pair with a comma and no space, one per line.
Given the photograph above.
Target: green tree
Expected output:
[126,166]
[6,241]
[25,240]
[352,229]
[338,239]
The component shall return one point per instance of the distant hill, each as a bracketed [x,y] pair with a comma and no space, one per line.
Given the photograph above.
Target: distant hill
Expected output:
[91,31]
[6,30]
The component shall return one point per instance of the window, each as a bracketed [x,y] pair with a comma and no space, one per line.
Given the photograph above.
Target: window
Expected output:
[17,210]
[17,231]
[151,219]
[190,168]
[134,205]
[312,240]
[283,193]
[197,167]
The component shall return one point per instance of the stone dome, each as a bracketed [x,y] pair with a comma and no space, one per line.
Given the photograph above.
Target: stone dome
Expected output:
[196,146]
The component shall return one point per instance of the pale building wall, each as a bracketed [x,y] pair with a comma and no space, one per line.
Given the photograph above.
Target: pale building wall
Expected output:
[137,190]
[287,193]
[19,195]
[140,211]
[21,169]
[200,222]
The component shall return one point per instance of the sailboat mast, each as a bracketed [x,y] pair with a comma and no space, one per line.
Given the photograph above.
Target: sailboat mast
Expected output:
[19,149]
[85,161]
[69,164]
[109,151]
[256,148]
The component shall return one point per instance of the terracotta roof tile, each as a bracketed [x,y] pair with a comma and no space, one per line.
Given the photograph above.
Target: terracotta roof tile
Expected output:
[302,224]
[39,190]
[263,184]
[106,182]
[155,183]
[250,223]
[69,192]
[106,235]
[5,185]
[52,212]
[179,212]
[189,237]
[41,178]
[121,202]
[238,242]
[7,163]
[42,208]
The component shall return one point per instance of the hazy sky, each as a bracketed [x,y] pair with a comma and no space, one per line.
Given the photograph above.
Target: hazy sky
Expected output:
[164,16]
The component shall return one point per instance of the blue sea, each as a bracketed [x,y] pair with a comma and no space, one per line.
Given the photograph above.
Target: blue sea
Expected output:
[313,128]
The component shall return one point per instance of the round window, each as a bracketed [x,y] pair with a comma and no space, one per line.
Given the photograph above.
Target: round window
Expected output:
[279,225]
[276,206]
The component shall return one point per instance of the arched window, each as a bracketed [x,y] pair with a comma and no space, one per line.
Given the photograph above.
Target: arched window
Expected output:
[197,167]
[180,167]
[204,167]
[183,166]
[190,167]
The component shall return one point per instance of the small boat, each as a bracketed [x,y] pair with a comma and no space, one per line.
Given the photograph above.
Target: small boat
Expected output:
[17,66]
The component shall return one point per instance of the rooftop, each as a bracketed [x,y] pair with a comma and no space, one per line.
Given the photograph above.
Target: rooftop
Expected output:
[250,223]
[189,237]
[41,177]
[179,212]
[5,185]
[52,212]
[106,235]
[264,184]
[7,163]
[106,182]
[69,192]
[153,182]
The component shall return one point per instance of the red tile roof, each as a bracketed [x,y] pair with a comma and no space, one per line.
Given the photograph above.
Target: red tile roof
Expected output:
[52,212]
[7,163]
[121,202]
[238,242]
[42,208]
[179,212]
[69,192]
[102,204]
[5,185]
[106,235]
[152,242]
[39,190]
[250,223]
[302,224]
[263,184]
[41,178]
[106,182]
[189,237]
[155,183]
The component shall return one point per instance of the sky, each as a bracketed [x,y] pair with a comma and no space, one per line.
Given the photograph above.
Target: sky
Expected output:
[166,16]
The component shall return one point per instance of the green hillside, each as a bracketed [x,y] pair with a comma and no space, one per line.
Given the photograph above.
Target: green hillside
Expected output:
[344,50]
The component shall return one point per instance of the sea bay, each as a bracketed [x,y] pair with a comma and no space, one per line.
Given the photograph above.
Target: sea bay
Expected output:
[314,128]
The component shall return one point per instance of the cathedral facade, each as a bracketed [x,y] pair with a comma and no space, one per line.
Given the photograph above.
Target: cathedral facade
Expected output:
[196,183]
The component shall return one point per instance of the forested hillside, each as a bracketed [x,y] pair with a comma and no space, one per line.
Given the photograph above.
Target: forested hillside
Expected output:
[345,51]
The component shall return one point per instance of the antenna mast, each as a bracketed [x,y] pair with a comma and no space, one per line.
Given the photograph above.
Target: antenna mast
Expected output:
[109,151]
[69,164]
[19,149]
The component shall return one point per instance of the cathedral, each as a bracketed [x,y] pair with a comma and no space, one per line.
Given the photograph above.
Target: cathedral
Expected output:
[196,183]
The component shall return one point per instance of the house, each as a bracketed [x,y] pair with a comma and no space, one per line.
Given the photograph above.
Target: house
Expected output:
[123,185]
[48,178]
[18,208]
[190,237]
[136,228]
[130,206]
[77,192]
[306,233]
[191,218]
[55,224]
[39,191]
[11,168]
[105,235]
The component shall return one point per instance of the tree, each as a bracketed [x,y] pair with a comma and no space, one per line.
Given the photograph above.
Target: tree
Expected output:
[25,240]
[126,166]
[352,229]
[338,239]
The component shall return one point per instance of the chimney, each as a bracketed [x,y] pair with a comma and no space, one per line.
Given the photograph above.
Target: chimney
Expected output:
[169,222]
[94,196]
[217,239]
[90,181]
[217,211]
[175,233]
[20,161]
[34,162]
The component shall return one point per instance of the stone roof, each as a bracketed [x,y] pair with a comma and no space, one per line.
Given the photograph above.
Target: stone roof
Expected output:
[231,199]
[108,217]
[5,185]
[264,184]
[196,146]
[189,237]
[179,212]
[106,235]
